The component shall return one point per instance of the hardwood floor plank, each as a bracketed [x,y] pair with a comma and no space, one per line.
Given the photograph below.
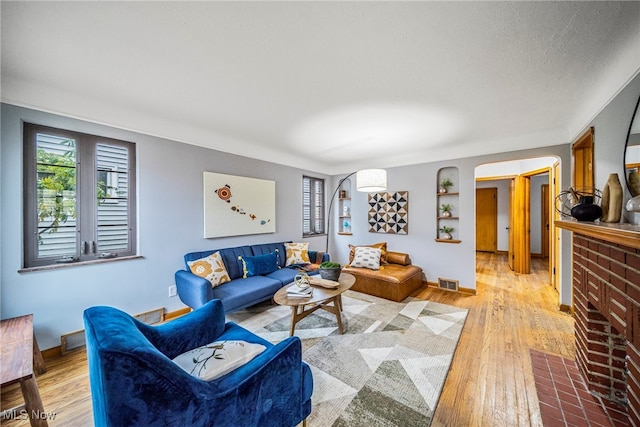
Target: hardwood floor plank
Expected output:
[490,382]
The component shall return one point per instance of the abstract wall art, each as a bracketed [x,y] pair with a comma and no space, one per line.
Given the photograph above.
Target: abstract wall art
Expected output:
[236,205]
[389,212]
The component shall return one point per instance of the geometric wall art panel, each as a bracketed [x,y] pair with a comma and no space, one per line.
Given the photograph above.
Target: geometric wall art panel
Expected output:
[389,212]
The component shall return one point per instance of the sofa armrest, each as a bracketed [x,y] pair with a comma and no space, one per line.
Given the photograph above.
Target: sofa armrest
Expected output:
[277,372]
[193,290]
[399,258]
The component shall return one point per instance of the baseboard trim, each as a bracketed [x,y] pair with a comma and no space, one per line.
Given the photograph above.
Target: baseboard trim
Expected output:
[177,313]
[566,309]
[466,291]
[56,351]
[52,352]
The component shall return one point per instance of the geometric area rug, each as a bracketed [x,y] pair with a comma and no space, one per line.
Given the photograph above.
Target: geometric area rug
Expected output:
[387,369]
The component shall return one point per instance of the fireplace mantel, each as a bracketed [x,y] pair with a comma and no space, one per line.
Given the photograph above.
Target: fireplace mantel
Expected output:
[622,234]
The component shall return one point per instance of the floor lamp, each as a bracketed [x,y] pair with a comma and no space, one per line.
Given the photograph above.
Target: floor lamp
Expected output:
[367,181]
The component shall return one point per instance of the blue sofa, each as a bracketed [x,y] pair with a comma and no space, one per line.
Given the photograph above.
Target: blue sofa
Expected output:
[134,382]
[239,293]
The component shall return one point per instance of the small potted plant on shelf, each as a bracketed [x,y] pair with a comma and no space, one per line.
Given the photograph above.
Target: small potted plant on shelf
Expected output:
[446,233]
[330,270]
[445,184]
[446,209]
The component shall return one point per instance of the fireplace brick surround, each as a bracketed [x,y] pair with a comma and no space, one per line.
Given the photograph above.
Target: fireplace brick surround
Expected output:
[606,304]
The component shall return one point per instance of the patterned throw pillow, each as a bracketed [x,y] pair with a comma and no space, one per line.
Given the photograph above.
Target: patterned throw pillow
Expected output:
[367,257]
[211,268]
[382,246]
[297,253]
[214,360]
[259,264]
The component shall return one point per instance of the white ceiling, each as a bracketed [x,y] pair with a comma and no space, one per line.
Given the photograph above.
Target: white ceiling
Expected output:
[326,86]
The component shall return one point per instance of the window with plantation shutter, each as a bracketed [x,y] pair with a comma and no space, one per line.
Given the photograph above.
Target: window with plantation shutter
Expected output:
[312,206]
[79,197]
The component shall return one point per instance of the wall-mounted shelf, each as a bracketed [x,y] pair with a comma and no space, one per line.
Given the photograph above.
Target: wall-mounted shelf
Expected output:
[344,209]
[448,196]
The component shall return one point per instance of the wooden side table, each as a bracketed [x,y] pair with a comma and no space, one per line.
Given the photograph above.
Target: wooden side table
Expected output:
[19,353]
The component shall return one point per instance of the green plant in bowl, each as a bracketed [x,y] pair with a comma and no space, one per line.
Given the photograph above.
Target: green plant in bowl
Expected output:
[330,270]
[446,209]
[330,264]
[446,232]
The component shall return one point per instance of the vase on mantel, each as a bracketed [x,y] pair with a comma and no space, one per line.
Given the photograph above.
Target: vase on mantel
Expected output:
[612,199]
[586,210]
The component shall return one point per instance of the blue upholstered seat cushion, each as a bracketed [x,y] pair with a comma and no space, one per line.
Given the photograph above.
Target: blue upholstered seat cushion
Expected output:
[259,265]
[218,358]
[246,292]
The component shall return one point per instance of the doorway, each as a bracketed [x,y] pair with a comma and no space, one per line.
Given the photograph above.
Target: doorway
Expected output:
[524,194]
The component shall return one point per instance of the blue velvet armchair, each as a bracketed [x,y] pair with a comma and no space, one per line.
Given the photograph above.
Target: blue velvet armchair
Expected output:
[134,382]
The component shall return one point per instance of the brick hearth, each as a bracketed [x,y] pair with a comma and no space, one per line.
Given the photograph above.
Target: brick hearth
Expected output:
[606,301]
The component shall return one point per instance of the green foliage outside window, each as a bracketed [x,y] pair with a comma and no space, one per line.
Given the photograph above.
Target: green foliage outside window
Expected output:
[56,187]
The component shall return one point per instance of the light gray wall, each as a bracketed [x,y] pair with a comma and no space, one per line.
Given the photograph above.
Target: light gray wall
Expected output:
[611,127]
[170,223]
[446,260]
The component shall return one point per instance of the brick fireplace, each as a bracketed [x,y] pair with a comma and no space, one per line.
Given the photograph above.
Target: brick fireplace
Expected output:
[606,303]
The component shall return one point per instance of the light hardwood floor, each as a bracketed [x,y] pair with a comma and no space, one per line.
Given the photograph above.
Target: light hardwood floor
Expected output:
[490,382]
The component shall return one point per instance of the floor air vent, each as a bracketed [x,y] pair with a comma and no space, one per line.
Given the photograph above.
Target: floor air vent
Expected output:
[448,284]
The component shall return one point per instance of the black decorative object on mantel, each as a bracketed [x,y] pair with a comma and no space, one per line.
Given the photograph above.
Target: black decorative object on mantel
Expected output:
[586,210]
[581,204]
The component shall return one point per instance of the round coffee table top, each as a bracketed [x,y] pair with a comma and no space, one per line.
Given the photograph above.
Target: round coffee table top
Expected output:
[319,294]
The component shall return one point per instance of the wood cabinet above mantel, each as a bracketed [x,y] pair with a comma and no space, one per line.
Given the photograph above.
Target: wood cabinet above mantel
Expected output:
[622,234]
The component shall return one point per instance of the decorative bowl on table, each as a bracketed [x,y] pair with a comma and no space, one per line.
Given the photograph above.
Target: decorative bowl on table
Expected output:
[330,270]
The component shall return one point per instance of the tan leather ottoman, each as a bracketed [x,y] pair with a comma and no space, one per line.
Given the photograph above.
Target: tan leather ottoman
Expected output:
[395,280]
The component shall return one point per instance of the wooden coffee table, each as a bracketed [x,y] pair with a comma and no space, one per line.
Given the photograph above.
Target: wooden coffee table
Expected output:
[324,298]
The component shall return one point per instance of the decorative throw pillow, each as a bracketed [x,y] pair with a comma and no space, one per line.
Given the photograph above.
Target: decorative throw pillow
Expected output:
[382,246]
[259,264]
[211,268]
[367,257]
[214,360]
[297,253]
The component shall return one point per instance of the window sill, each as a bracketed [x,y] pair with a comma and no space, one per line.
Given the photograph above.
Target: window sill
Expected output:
[306,236]
[74,264]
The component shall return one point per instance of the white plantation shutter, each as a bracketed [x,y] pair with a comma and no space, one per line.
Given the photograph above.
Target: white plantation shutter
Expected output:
[312,206]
